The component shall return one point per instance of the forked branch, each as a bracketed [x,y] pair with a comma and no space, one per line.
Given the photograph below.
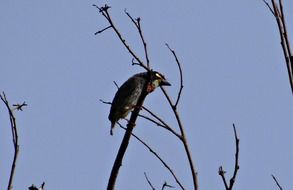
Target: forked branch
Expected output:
[136,22]
[105,12]
[180,73]
[159,123]
[33,187]
[179,122]
[278,12]
[137,61]
[183,140]
[162,123]
[14,135]
[236,165]
[149,182]
[158,157]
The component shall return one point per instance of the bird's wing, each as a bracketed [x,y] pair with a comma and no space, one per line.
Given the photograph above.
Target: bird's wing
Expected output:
[123,96]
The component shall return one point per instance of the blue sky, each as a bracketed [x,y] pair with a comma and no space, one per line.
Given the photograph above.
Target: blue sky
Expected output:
[234,72]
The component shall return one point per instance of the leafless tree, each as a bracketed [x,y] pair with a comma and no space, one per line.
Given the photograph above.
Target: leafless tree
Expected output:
[153,117]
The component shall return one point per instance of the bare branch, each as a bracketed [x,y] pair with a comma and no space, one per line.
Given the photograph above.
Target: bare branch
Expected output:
[276,181]
[105,13]
[160,125]
[157,156]
[149,182]
[14,135]
[270,8]
[280,18]
[167,185]
[163,123]
[103,9]
[137,61]
[136,22]
[236,165]
[286,38]
[183,139]
[19,106]
[100,31]
[222,174]
[104,102]
[33,187]
[116,84]
[181,75]
[134,115]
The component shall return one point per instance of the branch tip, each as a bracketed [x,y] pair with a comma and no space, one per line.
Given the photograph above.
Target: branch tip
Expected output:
[236,165]
[19,107]
[277,183]
[104,102]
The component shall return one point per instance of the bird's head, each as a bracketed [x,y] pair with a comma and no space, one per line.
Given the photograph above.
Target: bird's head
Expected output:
[158,79]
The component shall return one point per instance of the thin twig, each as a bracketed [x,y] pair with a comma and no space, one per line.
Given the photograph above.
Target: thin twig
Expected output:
[160,125]
[286,38]
[33,187]
[19,107]
[181,75]
[270,8]
[157,156]
[183,139]
[136,22]
[149,182]
[164,124]
[174,108]
[222,174]
[276,181]
[104,102]
[14,136]
[153,121]
[116,84]
[100,31]
[166,185]
[144,43]
[280,18]
[131,123]
[105,13]
[236,165]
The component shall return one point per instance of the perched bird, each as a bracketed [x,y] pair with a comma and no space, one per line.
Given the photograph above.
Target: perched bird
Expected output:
[128,94]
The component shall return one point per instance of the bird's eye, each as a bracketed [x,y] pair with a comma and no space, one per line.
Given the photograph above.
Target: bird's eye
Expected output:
[159,76]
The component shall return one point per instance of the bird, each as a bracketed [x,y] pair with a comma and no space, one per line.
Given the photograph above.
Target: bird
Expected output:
[128,94]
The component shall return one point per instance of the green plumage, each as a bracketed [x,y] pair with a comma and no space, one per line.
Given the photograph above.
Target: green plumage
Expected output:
[128,94]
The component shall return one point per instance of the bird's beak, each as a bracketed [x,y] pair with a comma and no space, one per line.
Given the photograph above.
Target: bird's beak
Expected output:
[165,83]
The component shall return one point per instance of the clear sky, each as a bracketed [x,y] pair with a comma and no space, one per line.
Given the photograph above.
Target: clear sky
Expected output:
[234,72]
